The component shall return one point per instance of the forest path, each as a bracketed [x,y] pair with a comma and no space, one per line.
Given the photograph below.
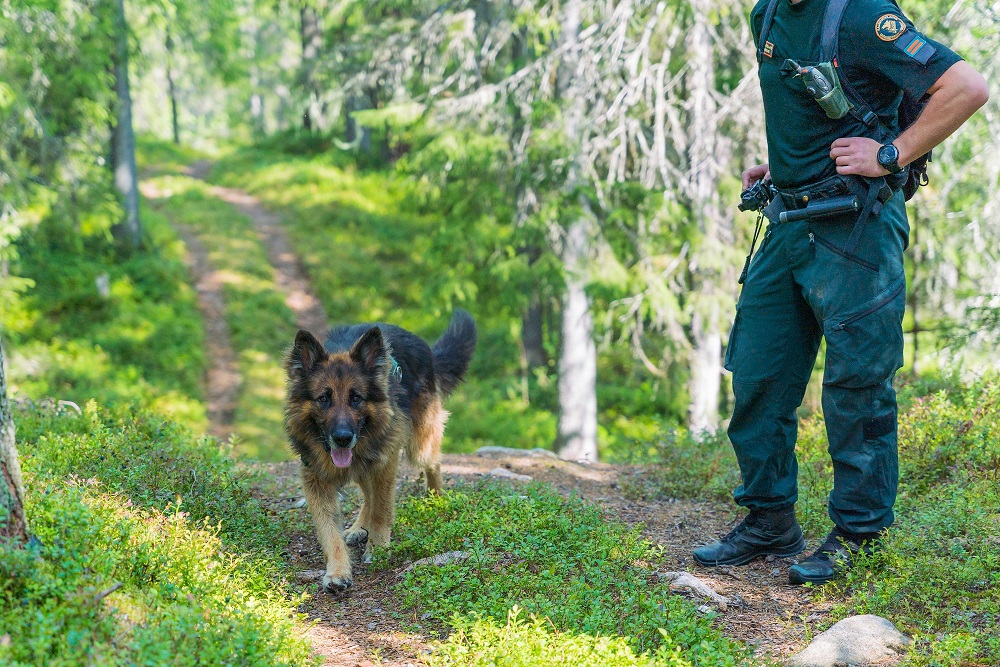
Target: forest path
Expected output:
[289,273]
[223,379]
[360,628]
[766,612]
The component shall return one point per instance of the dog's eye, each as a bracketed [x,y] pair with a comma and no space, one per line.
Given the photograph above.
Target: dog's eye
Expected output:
[356,399]
[323,401]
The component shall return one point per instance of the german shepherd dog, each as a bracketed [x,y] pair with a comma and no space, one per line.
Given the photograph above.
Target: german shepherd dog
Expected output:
[352,405]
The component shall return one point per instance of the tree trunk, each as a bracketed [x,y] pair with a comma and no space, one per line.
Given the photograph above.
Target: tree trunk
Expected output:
[532,334]
[705,155]
[312,42]
[172,90]
[706,378]
[129,231]
[13,525]
[577,428]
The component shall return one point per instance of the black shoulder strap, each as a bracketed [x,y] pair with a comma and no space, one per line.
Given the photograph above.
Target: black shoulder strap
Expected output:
[765,29]
[830,39]
[830,51]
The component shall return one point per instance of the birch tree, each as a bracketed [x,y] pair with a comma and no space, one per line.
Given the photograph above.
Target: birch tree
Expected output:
[13,524]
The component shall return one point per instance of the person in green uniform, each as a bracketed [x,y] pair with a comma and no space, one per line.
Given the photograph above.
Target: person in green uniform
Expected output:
[831,278]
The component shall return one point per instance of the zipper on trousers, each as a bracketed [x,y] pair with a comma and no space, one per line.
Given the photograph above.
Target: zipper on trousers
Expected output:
[846,255]
[812,245]
[875,306]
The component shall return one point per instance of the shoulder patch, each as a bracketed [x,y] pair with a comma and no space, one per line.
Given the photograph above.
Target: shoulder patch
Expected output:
[889,27]
[917,48]
[769,49]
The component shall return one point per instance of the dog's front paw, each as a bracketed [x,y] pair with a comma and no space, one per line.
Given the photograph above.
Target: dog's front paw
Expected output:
[356,537]
[332,584]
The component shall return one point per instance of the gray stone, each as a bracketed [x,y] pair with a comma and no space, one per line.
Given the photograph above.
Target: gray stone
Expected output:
[494,451]
[685,582]
[305,576]
[853,642]
[439,560]
[503,473]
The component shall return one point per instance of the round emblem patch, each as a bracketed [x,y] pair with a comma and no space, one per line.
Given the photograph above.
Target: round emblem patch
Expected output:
[889,27]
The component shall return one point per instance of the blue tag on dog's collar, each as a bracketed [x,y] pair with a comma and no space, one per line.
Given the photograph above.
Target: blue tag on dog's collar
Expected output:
[396,373]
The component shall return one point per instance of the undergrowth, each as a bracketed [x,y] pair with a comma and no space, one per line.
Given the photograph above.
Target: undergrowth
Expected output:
[938,573]
[140,341]
[152,550]
[557,559]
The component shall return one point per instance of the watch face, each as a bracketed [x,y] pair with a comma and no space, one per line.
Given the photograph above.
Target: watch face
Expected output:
[887,155]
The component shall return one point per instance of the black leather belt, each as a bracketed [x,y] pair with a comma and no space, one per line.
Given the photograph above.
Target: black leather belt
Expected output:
[832,186]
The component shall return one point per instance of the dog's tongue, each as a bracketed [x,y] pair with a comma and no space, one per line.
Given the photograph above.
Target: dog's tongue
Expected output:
[341,457]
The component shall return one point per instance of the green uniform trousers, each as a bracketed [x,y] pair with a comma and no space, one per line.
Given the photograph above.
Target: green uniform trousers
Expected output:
[801,287]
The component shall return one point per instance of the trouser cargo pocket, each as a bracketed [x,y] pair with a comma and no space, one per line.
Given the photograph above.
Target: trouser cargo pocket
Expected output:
[865,346]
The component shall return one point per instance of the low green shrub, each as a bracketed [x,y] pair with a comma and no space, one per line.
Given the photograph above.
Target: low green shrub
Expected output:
[142,343]
[558,559]
[151,550]
[937,573]
[532,642]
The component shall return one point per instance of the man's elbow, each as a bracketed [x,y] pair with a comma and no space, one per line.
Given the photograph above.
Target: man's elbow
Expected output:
[975,88]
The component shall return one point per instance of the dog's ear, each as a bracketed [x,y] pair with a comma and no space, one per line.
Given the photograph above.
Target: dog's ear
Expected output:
[305,354]
[372,352]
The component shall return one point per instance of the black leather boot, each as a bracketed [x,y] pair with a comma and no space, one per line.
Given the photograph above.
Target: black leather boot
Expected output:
[833,557]
[761,533]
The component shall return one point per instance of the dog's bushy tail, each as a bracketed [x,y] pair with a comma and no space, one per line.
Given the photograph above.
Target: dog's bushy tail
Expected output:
[453,351]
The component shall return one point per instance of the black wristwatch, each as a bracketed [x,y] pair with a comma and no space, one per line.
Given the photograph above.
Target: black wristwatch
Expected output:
[888,157]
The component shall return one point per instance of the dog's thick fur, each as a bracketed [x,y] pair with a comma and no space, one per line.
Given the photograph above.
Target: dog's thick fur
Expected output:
[352,405]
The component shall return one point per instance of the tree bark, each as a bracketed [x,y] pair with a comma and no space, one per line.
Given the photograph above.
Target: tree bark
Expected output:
[705,155]
[577,427]
[129,231]
[172,90]
[706,379]
[532,333]
[13,524]
[312,42]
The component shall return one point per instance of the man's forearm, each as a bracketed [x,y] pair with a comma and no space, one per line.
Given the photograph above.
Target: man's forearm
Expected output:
[958,94]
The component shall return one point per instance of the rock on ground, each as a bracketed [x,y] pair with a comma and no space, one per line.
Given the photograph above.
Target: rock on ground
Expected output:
[439,560]
[857,640]
[494,451]
[503,473]
[685,582]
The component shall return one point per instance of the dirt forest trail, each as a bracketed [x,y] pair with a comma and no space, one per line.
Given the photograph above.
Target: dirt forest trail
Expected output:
[360,628]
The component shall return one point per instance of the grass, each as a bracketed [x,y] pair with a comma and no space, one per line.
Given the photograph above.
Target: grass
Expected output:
[372,257]
[937,574]
[556,559]
[142,343]
[119,497]
[261,325]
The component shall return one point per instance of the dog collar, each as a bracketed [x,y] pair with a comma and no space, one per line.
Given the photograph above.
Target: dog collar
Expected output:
[396,373]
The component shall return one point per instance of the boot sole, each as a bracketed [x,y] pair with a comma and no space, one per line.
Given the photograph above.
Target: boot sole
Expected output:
[784,552]
[799,579]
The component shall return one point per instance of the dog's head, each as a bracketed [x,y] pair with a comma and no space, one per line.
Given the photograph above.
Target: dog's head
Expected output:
[335,399]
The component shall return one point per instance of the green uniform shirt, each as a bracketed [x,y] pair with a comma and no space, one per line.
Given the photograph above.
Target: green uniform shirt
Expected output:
[881,55]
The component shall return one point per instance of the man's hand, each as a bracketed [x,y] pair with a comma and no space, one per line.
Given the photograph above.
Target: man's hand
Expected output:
[754,174]
[857,156]
[954,97]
